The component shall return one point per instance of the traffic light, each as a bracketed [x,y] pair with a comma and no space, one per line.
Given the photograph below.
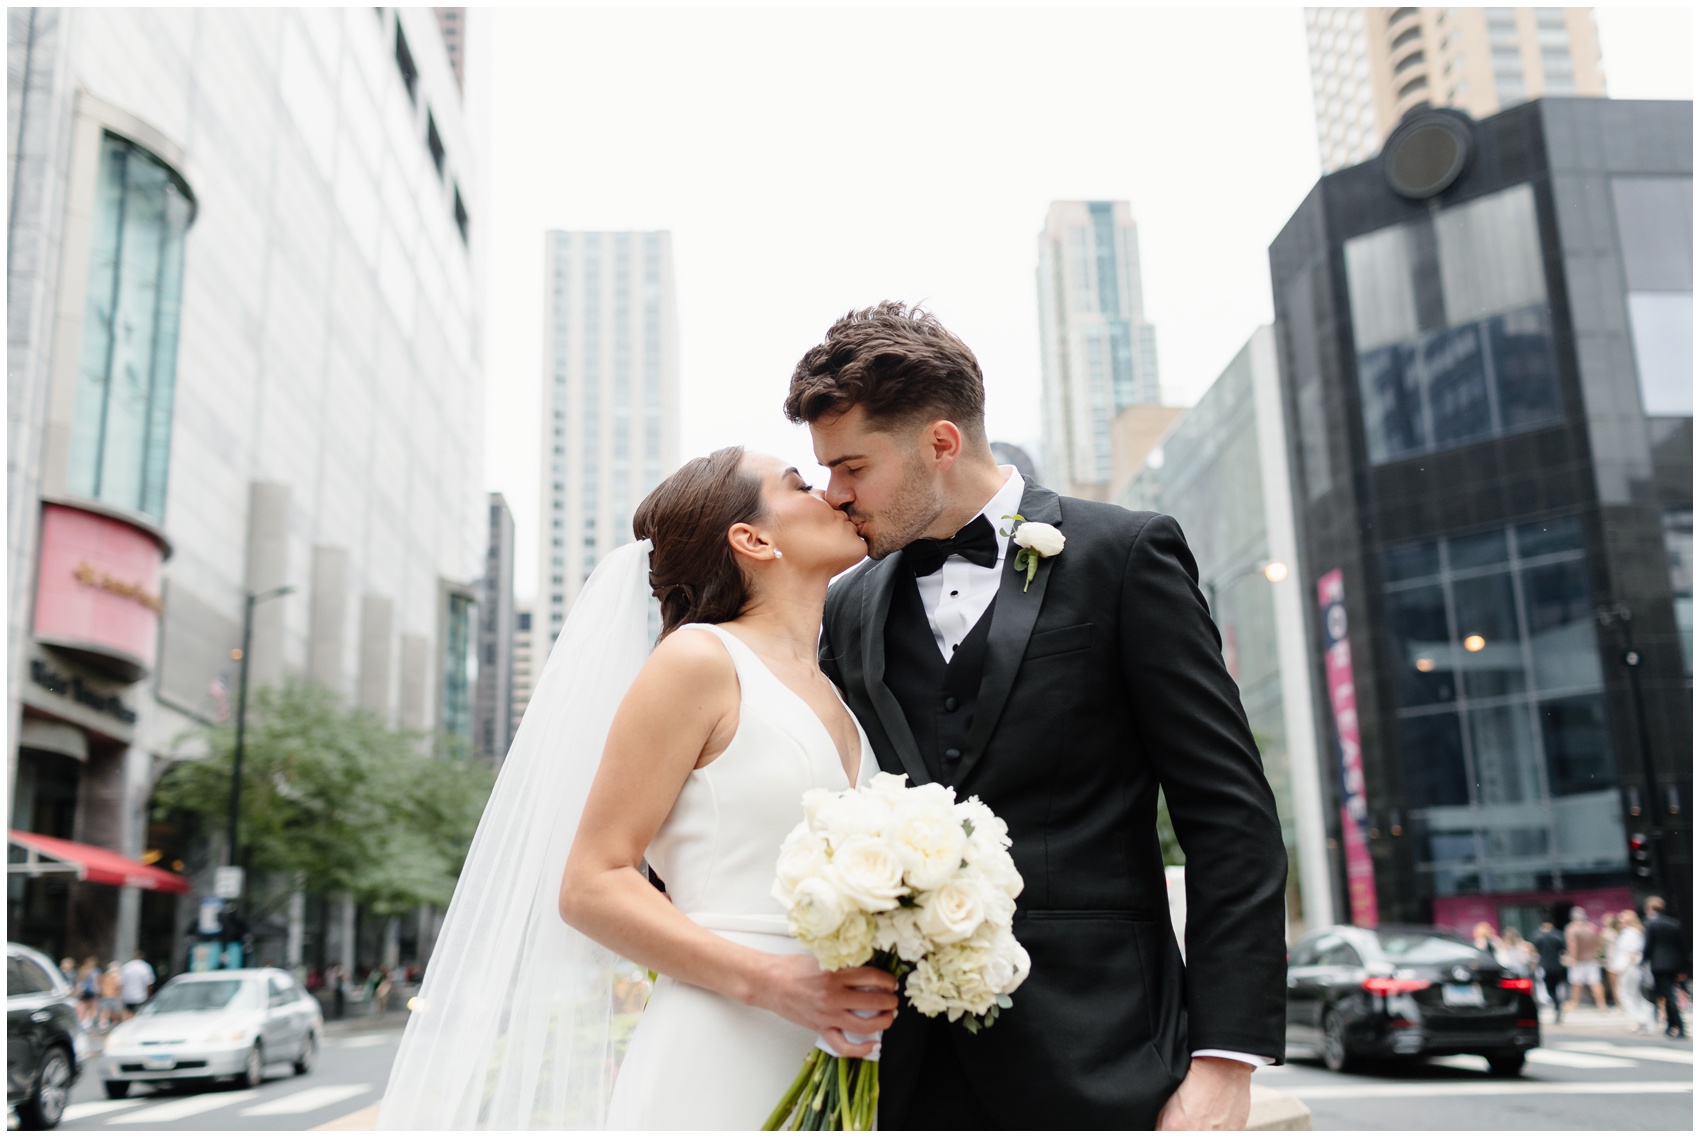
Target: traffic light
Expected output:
[1640,855]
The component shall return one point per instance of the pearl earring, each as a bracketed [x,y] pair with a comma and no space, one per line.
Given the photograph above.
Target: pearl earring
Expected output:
[777,555]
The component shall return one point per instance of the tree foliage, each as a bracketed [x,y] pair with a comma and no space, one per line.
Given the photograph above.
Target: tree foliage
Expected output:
[333,798]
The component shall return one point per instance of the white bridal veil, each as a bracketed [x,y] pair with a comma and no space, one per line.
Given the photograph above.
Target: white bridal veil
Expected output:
[521,1020]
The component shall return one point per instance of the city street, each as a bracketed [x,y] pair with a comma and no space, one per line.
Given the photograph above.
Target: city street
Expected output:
[354,1064]
[1593,1076]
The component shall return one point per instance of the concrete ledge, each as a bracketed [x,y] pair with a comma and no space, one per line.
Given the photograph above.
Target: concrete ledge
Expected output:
[1276,1110]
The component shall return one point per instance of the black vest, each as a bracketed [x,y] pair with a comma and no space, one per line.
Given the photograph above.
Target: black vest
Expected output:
[937,698]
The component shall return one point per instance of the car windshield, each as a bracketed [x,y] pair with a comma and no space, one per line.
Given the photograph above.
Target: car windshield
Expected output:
[203,996]
[1429,948]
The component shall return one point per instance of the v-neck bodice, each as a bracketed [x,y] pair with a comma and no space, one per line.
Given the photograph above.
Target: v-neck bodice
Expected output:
[717,847]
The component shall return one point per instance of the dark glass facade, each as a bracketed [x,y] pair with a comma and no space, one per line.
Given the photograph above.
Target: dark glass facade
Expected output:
[1487,440]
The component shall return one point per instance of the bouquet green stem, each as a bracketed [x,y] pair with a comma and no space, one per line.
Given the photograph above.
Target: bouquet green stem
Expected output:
[829,1093]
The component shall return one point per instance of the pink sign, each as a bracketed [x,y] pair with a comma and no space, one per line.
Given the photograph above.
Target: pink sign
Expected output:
[1343,698]
[99,585]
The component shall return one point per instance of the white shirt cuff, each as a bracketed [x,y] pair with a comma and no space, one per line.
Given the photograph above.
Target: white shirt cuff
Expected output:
[1237,1056]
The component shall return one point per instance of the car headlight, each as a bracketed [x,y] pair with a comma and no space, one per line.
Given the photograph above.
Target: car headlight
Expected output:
[233,1035]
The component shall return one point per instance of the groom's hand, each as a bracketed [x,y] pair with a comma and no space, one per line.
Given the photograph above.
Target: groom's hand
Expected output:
[1215,1095]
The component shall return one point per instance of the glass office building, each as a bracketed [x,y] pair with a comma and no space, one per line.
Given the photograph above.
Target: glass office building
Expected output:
[1486,353]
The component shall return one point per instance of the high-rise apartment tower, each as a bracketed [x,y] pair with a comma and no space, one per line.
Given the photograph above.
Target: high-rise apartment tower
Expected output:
[610,401]
[1369,67]
[1098,353]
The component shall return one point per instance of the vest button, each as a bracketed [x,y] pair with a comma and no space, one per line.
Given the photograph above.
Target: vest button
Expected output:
[953,754]
[950,703]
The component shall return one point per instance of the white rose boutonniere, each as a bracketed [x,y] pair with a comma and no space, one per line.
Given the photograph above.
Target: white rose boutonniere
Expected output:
[1037,540]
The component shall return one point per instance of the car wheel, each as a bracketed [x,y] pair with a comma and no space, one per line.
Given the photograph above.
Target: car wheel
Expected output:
[43,1109]
[254,1070]
[1336,1056]
[1507,1064]
[117,1088]
[309,1053]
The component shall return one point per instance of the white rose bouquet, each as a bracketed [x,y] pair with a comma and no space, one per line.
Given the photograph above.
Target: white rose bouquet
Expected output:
[910,880]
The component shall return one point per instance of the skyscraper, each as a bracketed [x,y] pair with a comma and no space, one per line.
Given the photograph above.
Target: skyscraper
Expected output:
[610,422]
[493,728]
[1098,353]
[1369,67]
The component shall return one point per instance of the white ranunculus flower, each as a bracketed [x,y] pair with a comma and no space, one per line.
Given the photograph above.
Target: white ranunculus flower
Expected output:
[1007,964]
[851,944]
[952,912]
[813,800]
[1044,539]
[804,854]
[996,867]
[928,842]
[817,909]
[890,788]
[849,814]
[868,873]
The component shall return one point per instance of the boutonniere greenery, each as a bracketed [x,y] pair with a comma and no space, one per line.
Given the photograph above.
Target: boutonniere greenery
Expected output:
[1038,540]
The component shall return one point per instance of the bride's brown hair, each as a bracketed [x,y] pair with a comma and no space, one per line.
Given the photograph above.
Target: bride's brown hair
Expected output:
[692,570]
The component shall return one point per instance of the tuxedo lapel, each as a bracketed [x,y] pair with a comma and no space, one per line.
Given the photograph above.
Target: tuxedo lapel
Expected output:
[1013,616]
[876,606]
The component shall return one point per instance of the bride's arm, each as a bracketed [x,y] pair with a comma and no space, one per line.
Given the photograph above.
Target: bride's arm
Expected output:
[682,710]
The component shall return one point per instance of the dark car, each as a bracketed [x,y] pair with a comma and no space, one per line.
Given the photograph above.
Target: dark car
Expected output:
[41,1039]
[1404,991]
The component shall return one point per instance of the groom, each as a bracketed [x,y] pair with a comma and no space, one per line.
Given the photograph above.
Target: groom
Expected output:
[1065,703]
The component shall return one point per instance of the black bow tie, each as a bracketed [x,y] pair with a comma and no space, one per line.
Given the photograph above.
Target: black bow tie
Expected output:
[976,541]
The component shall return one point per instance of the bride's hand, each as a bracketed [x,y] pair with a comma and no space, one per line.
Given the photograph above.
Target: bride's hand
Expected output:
[827,1002]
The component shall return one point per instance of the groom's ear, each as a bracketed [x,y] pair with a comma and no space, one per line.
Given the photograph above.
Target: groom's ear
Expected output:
[942,442]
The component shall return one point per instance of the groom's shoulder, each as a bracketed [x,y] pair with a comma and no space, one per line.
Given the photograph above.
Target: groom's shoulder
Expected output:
[848,584]
[1106,518]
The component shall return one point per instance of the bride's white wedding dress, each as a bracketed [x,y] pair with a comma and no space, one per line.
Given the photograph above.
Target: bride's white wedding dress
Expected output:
[698,1060]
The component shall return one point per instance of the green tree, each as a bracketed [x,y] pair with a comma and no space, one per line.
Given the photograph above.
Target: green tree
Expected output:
[335,799]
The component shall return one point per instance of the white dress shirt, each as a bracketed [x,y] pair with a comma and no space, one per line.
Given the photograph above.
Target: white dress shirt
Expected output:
[956,596]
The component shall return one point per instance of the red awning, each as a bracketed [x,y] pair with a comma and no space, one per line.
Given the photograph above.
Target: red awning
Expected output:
[89,863]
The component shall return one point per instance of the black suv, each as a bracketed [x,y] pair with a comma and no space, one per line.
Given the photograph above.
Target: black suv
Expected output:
[41,1031]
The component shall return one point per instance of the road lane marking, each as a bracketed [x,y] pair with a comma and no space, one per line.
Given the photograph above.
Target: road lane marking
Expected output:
[359,1041]
[1573,1059]
[185,1107]
[1629,1051]
[1506,1087]
[1460,1062]
[99,1106]
[313,1098]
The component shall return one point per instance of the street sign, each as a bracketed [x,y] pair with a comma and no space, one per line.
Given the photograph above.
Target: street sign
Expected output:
[227,882]
[208,923]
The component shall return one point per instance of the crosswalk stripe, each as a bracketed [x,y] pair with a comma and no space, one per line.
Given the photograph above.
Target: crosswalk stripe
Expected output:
[1576,1059]
[99,1106]
[186,1107]
[1629,1051]
[359,1041]
[1451,1089]
[313,1098]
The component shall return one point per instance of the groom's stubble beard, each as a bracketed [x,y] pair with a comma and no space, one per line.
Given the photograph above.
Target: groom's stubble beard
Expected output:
[914,509]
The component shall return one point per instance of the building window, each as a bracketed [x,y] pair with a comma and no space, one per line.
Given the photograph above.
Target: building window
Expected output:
[1502,731]
[1655,226]
[1481,363]
[460,667]
[127,366]
[1679,552]
[434,143]
[404,64]
[461,222]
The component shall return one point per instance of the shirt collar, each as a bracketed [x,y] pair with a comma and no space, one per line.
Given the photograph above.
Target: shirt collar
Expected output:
[1005,502]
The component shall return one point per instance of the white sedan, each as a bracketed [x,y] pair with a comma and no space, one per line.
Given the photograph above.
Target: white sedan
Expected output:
[215,1025]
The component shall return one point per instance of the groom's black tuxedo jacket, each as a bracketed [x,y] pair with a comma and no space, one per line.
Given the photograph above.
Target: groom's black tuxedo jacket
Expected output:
[1065,710]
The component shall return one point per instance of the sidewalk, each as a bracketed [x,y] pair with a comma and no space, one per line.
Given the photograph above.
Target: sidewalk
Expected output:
[393,1020]
[1589,1019]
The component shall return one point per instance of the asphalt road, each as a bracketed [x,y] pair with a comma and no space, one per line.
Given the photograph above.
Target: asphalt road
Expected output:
[354,1064]
[1585,1077]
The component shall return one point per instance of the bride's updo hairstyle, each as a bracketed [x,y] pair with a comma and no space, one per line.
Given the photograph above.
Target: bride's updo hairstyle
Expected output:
[692,570]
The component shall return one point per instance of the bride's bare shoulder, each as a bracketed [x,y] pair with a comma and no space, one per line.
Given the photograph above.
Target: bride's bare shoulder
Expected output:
[691,656]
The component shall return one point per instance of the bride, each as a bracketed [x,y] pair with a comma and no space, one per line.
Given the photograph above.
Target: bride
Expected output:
[690,763]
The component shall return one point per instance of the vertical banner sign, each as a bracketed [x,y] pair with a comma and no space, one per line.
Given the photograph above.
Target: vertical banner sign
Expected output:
[1343,698]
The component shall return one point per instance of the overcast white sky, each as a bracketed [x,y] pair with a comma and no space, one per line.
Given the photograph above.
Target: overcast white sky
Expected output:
[811,160]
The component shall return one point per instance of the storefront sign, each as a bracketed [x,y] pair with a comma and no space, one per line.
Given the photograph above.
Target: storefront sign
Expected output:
[99,589]
[74,688]
[1343,698]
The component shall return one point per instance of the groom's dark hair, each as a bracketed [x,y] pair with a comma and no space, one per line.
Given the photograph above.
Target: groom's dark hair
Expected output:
[897,363]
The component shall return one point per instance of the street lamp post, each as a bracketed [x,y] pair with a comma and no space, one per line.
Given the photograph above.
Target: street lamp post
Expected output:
[1274,571]
[250,602]
[1619,614]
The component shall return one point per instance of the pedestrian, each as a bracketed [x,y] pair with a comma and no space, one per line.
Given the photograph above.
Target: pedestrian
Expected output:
[1582,944]
[380,990]
[88,992]
[334,980]
[1485,938]
[1626,967]
[68,969]
[1516,955]
[136,980]
[111,987]
[1608,942]
[1549,952]
[1667,956]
